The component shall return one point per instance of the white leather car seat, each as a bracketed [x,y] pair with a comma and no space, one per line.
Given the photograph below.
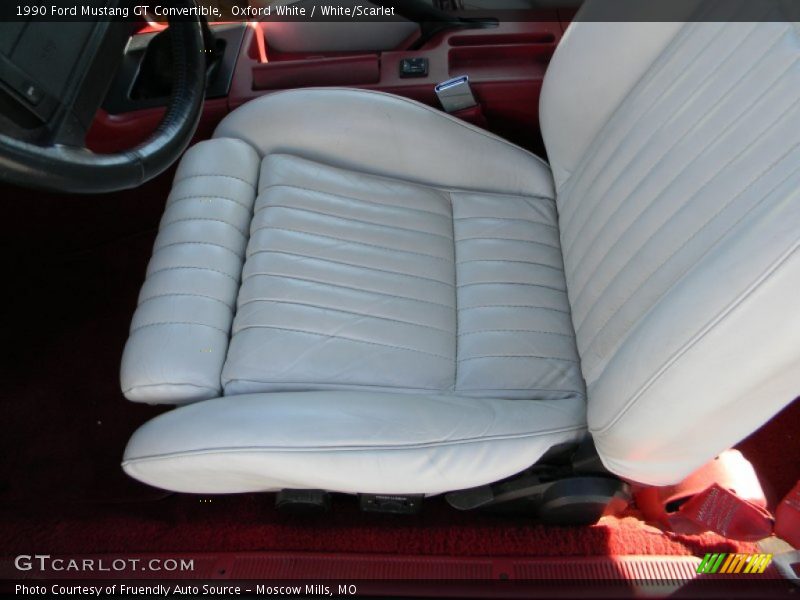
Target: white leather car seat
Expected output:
[354,292]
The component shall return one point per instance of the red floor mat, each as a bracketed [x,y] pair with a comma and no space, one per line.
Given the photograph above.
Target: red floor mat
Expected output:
[250,523]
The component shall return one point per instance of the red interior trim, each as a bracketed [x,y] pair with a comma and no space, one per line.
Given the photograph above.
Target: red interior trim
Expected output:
[506,65]
[260,41]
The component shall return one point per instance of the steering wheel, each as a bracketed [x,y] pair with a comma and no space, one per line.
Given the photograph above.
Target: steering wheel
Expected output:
[43,126]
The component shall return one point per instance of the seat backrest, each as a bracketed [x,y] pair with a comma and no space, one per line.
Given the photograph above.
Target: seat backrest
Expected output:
[675,149]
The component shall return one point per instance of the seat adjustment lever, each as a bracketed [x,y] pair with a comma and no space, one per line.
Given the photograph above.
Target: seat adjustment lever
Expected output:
[303,502]
[387,503]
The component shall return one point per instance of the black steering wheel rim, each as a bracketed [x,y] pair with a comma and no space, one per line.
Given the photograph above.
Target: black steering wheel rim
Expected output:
[78,170]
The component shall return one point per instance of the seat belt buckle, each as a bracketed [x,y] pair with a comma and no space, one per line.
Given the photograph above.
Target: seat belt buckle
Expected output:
[456,94]
[720,510]
[705,501]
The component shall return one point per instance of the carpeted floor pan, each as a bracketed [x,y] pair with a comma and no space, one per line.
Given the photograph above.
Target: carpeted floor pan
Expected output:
[250,523]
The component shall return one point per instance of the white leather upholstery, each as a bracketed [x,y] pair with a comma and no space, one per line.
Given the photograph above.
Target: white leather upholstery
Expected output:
[386,135]
[180,331]
[371,442]
[405,321]
[353,280]
[679,208]
[418,298]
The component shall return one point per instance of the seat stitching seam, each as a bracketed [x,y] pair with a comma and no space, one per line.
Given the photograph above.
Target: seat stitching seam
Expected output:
[168,223]
[341,337]
[177,181]
[515,331]
[348,312]
[455,288]
[184,294]
[423,445]
[563,312]
[437,113]
[502,260]
[520,356]
[171,244]
[513,219]
[347,264]
[524,197]
[195,269]
[648,78]
[675,177]
[537,285]
[754,180]
[500,390]
[347,241]
[702,333]
[653,134]
[182,384]
[340,386]
[140,327]
[705,184]
[330,385]
[182,198]
[354,199]
[510,239]
[697,232]
[393,179]
[441,189]
[346,287]
[334,216]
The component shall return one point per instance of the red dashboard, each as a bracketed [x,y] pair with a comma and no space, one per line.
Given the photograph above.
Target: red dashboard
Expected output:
[506,66]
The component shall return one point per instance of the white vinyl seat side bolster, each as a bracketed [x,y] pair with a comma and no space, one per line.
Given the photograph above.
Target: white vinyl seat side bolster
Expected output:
[678,216]
[662,413]
[592,70]
[180,331]
[381,134]
[348,442]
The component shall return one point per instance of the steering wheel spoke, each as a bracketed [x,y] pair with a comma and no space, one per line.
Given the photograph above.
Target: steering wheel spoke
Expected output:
[48,150]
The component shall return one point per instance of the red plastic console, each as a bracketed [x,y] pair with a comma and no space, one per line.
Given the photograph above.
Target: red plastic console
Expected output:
[506,66]
[339,70]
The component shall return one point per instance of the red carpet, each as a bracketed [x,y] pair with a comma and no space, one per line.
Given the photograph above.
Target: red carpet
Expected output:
[75,265]
[250,523]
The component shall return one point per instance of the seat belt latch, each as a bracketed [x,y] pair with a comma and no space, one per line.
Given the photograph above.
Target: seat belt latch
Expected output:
[723,496]
[456,94]
[719,510]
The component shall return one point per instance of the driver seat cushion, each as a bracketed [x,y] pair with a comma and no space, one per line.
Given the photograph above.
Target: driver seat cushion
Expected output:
[369,330]
[275,270]
[354,281]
